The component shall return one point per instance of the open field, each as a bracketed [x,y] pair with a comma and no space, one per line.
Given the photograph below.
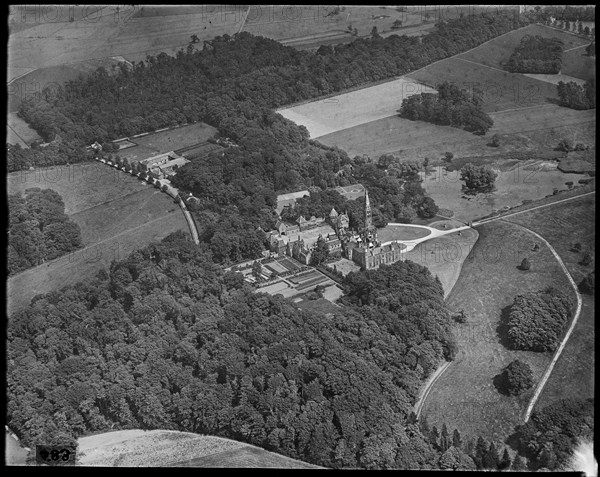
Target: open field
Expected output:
[19,132]
[14,454]
[497,51]
[322,305]
[555,79]
[562,225]
[464,397]
[81,186]
[501,90]
[352,109]
[157,448]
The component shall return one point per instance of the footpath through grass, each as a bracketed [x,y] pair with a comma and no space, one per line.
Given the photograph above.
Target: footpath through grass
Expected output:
[465,397]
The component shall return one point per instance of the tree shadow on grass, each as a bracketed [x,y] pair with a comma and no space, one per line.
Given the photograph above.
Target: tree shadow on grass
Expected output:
[501,383]
[502,328]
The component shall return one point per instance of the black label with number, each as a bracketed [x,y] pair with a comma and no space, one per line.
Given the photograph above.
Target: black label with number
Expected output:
[55,455]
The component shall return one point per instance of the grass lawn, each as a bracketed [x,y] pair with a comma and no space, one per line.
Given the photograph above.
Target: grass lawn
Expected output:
[177,138]
[444,256]
[562,225]
[465,397]
[322,305]
[398,232]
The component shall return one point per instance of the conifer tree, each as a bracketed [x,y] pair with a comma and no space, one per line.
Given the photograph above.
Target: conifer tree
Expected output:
[445,440]
[456,439]
[434,435]
[481,449]
[504,463]
[424,426]
[490,459]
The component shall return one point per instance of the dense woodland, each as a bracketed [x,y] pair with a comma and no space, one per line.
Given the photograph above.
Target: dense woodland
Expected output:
[536,54]
[38,229]
[168,340]
[575,96]
[450,106]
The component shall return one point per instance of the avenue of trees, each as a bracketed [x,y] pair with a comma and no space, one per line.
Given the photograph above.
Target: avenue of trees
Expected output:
[38,229]
[536,320]
[575,96]
[166,339]
[536,54]
[451,106]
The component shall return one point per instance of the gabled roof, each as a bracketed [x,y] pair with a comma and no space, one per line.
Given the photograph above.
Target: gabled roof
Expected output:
[333,213]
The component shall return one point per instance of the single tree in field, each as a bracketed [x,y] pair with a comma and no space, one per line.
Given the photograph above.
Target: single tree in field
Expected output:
[525,264]
[576,247]
[495,142]
[256,270]
[375,33]
[448,156]
[194,39]
[397,24]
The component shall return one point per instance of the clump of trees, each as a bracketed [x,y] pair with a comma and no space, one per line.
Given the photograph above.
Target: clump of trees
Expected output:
[551,434]
[536,54]
[590,50]
[478,178]
[450,107]
[515,378]
[38,229]
[575,96]
[536,320]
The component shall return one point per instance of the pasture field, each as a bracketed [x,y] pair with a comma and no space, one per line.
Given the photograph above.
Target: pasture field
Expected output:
[83,264]
[101,32]
[464,397]
[81,186]
[444,256]
[577,64]
[537,129]
[501,90]
[322,305]
[562,225]
[526,180]
[347,110]
[19,132]
[306,22]
[496,52]
[176,138]
[128,212]
[555,79]
[14,454]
